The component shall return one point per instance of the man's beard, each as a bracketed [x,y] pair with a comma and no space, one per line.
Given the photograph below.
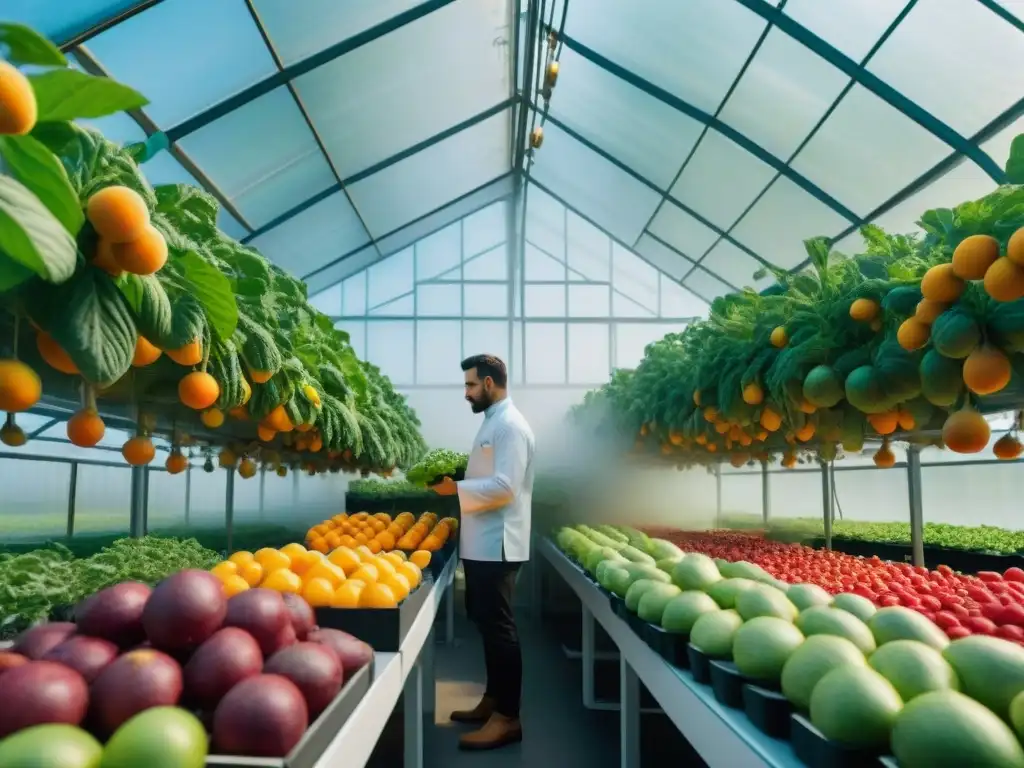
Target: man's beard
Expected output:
[479,406]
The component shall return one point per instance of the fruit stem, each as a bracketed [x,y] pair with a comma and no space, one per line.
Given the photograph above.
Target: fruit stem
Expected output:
[89,396]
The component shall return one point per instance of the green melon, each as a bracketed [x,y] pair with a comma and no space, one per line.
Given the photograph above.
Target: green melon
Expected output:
[898,623]
[859,606]
[805,596]
[814,659]
[637,590]
[855,706]
[50,746]
[914,668]
[945,729]
[763,600]
[864,390]
[713,633]
[942,379]
[902,301]
[955,334]
[823,387]
[725,591]
[763,645]
[654,600]
[684,609]
[897,371]
[695,571]
[822,620]
[991,670]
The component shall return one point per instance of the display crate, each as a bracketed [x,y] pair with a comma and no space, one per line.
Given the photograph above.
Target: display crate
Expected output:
[318,737]
[727,683]
[444,506]
[671,646]
[815,751]
[700,664]
[382,628]
[961,560]
[769,710]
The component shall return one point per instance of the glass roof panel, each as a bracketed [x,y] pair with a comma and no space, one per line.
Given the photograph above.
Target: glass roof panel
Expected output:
[55,20]
[663,257]
[262,156]
[120,128]
[147,52]
[721,180]
[682,231]
[642,132]
[595,187]
[229,225]
[1016,7]
[339,270]
[315,237]
[677,301]
[706,285]
[729,263]
[852,26]
[298,30]
[424,182]
[411,84]
[782,219]
[693,50]
[957,59]
[867,151]
[545,223]
[164,168]
[783,94]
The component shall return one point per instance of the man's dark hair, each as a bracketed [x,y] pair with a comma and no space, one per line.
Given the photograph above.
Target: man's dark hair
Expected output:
[488,365]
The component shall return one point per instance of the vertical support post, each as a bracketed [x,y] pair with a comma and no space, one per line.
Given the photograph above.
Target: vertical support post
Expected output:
[72,497]
[229,509]
[295,489]
[915,488]
[766,496]
[263,488]
[629,715]
[429,681]
[449,614]
[188,491]
[412,706]
[137,523]
[718,496]
[587,651]
[826,502]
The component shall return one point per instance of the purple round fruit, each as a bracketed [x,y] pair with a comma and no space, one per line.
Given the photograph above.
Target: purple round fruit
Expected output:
[264,716]
[314,668]
[353,652]
[37,641]
[138,680]
[219,664]
[86,655]
[262,613]
[39,693]
[303,618]
[184,610]
[115,613]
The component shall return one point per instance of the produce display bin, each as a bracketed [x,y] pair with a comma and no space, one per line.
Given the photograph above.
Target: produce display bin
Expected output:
[443,506]
[382,628]
[961,560]
[815,751]
[319,736]
[700,664]
[727,683]
[440,558]
[671,646]
[769,710]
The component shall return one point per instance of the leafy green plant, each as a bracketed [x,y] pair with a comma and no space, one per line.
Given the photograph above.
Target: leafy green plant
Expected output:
[388,489]
[436,464]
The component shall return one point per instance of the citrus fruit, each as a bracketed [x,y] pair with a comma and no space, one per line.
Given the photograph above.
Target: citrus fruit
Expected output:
[225,569]
[420,558]
[347,595]
[346,559]
[283,580]
[271,559]
[252,573]
[412,572]
[398,583]
[327,571]
[366,573]
[293,550]
[318,592]
[383,566]
[377,596]
[234,584]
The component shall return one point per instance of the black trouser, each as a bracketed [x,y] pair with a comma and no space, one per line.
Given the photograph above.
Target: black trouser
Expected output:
[489,590]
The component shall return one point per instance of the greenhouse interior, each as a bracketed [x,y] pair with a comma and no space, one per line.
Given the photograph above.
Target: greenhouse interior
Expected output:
[754,268]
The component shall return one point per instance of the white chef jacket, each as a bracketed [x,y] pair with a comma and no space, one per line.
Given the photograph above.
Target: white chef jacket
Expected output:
[497,494]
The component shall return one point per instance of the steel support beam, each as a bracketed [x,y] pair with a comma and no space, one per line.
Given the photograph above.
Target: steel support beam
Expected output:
[915,488]
[827,501]
[766,496]
[137,523]
[229,509]
[72,499]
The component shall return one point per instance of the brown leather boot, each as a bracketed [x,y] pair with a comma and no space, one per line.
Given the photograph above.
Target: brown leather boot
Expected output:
[497,732]
[479,714]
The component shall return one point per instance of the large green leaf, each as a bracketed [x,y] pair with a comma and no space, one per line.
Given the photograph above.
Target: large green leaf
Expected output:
[150,306]
[213,289]
[90,319]
[67,94]
[36,167]
[26,46]
[32,236]
[187,321]
[1015,163]
[192,209]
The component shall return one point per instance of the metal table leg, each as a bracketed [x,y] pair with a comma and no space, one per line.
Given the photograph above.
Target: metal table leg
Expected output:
[429,684]
[629,716]
[413,716]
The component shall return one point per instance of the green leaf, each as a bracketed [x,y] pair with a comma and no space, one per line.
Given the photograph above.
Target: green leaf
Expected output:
[32,236]
[26,46]
[91,321]
[67,94]
[213,289]
[154,318]
[131,288]
[1015,163]
[187,321]
[12,274]
[37,168]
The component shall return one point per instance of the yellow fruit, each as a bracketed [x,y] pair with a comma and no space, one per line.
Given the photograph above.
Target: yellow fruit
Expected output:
[252,572]
[283,580]
[18,107]
[145,353]
[234,584]
[420,558]
[383,566]
[347,595]
[306,560]
[242,557]
[365,554]
[225,569]
[398,584]
[20,386]
[395,558]
[319,593]
[272,559]
[377,596]
[293,549]
[328,571]
[145,255]
[412,572]
[118,214]
[212,418]
[366,573]
[974,256]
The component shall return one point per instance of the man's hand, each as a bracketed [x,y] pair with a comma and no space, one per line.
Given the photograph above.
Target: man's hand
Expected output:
[447,487]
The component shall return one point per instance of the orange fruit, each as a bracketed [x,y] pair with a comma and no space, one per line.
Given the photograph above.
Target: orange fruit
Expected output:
[392,557]
[20,386]
[188,355]
[364,553]
[242,557]
[349,542]
[399,585]
[366,573]
[361,538]
[252,572]
[420,558]
[378,525]
[138,451]
[346,559]
[283,580]
[374,546]
[386,540]
[118,214]
[431,544]
[18,107]
[233,585]
[377,596]
[412,572]
[383,566]
[347,595]
[144,255]
[327,571]
[86,428]
[293,550]
[340,518]
[318,592]
[334,539]
[225,569]
[272,559]
[145,353]
[320,545]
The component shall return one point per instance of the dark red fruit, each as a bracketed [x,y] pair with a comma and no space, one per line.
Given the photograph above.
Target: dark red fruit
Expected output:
[353,652]
[264,716]
[303,618]
[285,639]
[136,681]
[37,641]
[10,660]
[115,613]
[184,610]
[219,664]
[314,668]
[262,613]
[41,692]
[86,655]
